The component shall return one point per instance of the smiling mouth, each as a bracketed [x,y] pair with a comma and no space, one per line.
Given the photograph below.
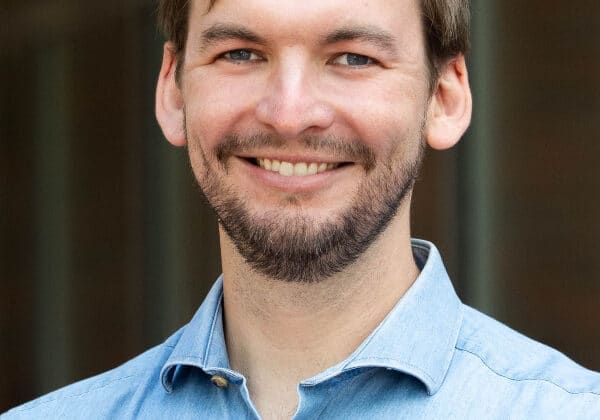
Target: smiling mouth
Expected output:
[295,169]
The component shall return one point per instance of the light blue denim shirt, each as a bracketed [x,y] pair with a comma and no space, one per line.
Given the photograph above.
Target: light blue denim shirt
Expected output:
[431,358]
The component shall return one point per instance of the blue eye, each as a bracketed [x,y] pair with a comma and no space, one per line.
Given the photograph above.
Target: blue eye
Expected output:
[241,55]
[351,59]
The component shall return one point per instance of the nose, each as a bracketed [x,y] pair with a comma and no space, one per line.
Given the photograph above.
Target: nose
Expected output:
[292,102]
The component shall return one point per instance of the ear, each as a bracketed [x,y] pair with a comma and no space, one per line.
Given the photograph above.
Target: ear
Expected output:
[169,100]
[449,112]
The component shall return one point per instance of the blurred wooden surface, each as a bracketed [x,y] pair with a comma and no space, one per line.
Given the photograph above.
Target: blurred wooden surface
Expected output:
[548,149]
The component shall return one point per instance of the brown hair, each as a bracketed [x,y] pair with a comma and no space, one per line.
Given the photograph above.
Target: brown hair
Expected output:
[446,26]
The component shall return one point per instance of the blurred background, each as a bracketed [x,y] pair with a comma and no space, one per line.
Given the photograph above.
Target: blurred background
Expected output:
[106,247]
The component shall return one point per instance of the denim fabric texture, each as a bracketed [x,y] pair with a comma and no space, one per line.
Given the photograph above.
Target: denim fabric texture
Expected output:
[431,358]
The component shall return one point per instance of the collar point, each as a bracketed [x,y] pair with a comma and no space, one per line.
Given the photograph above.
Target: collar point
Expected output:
[166,377]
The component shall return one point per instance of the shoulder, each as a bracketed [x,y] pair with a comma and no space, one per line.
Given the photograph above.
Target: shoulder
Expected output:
[101,395]
[521,366]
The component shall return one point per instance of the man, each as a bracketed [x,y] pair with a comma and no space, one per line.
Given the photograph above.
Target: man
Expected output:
[305,123]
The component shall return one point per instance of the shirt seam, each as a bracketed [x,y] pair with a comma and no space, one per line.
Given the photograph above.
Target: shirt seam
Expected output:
[524,379]
[58,398]
[388,359]
[421,247]
[214,321]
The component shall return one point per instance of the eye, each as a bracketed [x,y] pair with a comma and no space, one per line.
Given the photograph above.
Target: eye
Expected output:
[354,60]
[239,56]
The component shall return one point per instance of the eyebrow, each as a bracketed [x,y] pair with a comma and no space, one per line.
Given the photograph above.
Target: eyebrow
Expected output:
[382,39]
[220,32]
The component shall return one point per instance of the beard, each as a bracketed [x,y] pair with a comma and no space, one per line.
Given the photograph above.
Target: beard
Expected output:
[295,247]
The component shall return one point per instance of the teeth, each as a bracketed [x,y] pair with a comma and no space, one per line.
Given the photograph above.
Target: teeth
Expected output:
[286,169]
[300,169]
[297,169]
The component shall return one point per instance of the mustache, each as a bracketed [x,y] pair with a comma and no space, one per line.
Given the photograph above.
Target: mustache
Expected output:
[352,150]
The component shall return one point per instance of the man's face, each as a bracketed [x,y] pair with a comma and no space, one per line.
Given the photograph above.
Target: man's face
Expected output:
[304,122]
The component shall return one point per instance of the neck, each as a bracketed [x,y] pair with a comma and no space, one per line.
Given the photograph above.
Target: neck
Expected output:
[281,333]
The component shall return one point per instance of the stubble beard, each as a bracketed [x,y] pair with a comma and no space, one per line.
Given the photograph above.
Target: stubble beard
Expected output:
[296,248]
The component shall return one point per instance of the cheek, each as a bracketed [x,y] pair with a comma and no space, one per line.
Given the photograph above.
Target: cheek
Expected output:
[385,119]
[214,105]
[387,127]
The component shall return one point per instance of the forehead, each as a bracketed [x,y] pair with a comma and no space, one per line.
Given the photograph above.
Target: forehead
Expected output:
[298,20]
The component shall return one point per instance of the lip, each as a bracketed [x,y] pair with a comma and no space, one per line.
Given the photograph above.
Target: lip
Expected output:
[292,158]
[292,184]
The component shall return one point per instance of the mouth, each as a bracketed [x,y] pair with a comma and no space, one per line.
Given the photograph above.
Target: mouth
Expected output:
[300,169]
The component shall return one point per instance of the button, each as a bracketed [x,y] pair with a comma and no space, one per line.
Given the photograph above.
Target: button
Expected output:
[219,381]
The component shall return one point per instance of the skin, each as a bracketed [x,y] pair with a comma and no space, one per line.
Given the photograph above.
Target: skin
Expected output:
[299,82]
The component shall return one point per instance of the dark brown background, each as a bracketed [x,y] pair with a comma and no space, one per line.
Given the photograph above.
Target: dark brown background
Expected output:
[106,247]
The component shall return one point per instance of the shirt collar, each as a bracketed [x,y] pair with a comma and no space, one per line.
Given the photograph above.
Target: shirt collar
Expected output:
[202,343]
[417,337]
